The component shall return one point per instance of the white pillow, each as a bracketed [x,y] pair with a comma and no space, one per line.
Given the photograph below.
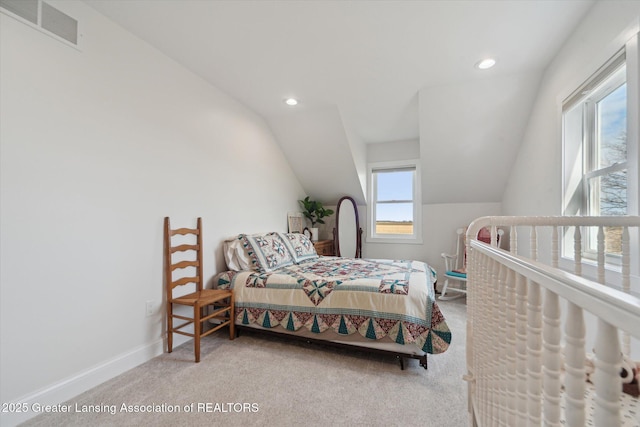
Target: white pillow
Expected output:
[235,255]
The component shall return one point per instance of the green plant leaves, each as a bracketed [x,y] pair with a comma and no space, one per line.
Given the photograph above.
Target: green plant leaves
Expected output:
[314,211]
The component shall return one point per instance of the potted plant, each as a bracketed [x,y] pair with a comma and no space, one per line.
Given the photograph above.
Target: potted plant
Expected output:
[314,211]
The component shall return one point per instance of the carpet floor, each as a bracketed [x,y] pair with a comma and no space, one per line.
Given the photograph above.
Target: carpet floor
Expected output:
[267,381]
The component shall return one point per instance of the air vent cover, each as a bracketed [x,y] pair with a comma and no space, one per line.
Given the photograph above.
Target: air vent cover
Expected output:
[44,17]
[60,24]
[26,9]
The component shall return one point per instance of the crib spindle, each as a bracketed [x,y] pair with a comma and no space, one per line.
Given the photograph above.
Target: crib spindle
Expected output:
[521,349]
[533,242]
[483,289]
[512,381]
[574,358]
[577,251]
[626,260]
[473,330]
[534,353]
[513,240]
[607,380]
[626,281]
[495,353]
[552,359]
[486,350]
[600,255]
[501,374]
[554,247]
[494,236]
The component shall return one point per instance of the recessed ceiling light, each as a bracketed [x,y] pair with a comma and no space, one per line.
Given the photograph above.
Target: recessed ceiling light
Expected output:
[486,63]
[291,101]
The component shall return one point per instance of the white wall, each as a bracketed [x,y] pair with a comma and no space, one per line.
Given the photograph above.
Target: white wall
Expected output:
[97,146]
[535,183]
[359,155]
[393,151]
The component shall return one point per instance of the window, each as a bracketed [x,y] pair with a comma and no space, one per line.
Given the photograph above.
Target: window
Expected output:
[395,207]
[595,149]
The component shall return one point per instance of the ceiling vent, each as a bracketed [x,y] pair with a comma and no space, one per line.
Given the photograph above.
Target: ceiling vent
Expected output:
[44,17]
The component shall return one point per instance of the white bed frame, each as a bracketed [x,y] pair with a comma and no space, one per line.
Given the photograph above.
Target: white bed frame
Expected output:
[527,338]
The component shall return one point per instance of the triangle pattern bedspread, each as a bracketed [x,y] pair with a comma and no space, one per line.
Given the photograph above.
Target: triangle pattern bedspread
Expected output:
[380,299]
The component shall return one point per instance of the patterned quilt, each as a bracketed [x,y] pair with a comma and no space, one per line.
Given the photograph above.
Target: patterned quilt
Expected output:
[379,299]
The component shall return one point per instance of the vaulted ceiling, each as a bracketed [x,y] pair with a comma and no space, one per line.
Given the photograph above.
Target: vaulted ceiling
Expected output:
[368,72]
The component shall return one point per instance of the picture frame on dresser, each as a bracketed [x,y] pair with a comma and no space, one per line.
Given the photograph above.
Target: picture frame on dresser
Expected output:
[295,220]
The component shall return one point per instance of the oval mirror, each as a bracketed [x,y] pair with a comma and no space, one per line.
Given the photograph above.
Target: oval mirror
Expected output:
[347,234]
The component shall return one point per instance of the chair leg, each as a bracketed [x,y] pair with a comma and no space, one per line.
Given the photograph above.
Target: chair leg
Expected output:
[196,331]
[445,297]
[232,318]
[169,327]
[443,292]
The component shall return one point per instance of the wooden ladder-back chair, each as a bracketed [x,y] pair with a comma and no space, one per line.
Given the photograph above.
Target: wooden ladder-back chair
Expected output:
[456,264]
[220,301]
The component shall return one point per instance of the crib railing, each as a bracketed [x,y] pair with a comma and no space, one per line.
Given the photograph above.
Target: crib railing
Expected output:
[519,355]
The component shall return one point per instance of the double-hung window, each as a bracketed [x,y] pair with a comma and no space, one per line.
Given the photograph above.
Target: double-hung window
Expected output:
[595,119]
[395,206]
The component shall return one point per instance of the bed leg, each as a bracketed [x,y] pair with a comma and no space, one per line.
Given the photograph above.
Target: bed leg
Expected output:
[423,361]
[401,360]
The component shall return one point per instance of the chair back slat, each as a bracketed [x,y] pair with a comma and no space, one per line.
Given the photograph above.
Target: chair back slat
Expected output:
[185,281]
[184,231]
[184,264]
[184,248]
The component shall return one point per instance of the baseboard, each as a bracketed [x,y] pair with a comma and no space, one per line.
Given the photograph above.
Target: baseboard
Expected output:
[70,387]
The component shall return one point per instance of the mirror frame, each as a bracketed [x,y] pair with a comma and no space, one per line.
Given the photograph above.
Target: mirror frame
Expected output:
[336,239]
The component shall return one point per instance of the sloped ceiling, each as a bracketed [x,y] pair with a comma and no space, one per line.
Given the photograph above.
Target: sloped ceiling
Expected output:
[469,144]
[368,72]
[310,140]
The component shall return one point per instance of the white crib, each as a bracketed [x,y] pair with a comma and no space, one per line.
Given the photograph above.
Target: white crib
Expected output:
[529,323]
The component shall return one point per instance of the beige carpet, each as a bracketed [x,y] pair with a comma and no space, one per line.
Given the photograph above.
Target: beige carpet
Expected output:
[266,381]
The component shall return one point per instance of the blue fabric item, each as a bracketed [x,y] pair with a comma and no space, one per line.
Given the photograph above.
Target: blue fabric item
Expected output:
[456,274]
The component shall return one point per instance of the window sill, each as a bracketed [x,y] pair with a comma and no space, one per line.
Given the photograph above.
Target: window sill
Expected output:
[613,274]
[395,240]
[589,265]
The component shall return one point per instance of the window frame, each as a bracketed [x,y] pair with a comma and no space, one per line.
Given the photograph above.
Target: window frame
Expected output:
[591,130]
[372,169]
[579,154]
[608,82]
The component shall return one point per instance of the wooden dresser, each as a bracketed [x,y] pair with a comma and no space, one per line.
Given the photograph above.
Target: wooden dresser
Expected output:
[324,247]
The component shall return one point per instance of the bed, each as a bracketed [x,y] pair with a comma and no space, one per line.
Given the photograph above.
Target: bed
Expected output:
[553,324]
[281,285]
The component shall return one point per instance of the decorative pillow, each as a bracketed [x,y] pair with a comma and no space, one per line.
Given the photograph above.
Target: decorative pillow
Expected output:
[300,247]
[236,255]
[268,252]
